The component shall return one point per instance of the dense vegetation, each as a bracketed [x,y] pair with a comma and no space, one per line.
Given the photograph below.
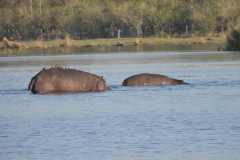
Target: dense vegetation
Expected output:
[50,19]
[233,38]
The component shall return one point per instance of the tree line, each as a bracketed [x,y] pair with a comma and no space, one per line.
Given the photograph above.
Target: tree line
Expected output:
[52,19]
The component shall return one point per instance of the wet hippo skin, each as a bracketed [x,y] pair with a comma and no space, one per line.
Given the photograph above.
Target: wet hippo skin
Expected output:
[61,80]
[147,79]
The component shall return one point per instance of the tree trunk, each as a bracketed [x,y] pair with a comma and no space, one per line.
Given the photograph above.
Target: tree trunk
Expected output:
[119,34]
[40,6]
[31,9]
[186,29]
[139,29]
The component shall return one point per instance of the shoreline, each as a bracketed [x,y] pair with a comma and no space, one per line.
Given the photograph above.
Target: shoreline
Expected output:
[110,42]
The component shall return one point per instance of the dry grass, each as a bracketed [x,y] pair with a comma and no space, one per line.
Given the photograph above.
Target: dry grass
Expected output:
[67,42]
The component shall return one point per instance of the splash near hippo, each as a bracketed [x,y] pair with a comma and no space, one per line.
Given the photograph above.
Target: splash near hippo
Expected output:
[147,79]
[57,79]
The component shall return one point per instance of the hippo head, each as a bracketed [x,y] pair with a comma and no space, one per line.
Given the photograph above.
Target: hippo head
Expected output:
[101,85]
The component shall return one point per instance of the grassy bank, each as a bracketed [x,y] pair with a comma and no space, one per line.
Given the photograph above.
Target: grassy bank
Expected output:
[124,42]
[69,43]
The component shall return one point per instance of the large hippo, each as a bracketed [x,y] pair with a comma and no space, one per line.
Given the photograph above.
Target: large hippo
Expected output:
[58,79]
[147,79]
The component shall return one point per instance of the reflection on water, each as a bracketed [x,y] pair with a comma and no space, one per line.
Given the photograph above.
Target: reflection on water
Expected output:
[196,121]
[123,58]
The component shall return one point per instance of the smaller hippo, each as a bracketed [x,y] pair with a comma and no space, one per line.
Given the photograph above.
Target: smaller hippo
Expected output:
[61,80]
[147,79]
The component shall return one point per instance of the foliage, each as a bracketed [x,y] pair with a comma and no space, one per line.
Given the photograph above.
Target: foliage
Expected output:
[233,38]
[53,19]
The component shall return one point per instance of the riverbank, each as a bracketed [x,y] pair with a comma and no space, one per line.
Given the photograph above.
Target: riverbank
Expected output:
[123,42]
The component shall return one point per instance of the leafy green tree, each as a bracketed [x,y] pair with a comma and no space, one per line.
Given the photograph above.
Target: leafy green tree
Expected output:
[29,19]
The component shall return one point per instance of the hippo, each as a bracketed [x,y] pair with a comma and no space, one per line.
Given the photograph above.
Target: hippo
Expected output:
[57,79]
[147,79]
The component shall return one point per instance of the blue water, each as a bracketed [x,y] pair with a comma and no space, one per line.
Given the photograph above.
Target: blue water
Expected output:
[197,121]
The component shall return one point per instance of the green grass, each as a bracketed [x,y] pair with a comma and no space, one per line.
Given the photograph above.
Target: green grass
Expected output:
[132,41]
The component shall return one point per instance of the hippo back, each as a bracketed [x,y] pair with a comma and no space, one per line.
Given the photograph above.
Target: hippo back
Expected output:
[65,80]
[146,79]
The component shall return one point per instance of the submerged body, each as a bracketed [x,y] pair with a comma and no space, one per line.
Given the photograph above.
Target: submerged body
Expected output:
[58,79]
[147,79]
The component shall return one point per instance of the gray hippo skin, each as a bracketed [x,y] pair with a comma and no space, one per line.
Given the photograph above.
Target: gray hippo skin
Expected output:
[60,80]
[146,79]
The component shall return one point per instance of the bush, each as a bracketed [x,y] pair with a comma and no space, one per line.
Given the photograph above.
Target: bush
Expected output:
[233,40]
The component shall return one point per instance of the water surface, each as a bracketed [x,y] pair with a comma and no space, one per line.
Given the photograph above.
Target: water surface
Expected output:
[196,121]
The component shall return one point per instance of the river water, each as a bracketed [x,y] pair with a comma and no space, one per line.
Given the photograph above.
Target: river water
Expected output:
[197,121]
